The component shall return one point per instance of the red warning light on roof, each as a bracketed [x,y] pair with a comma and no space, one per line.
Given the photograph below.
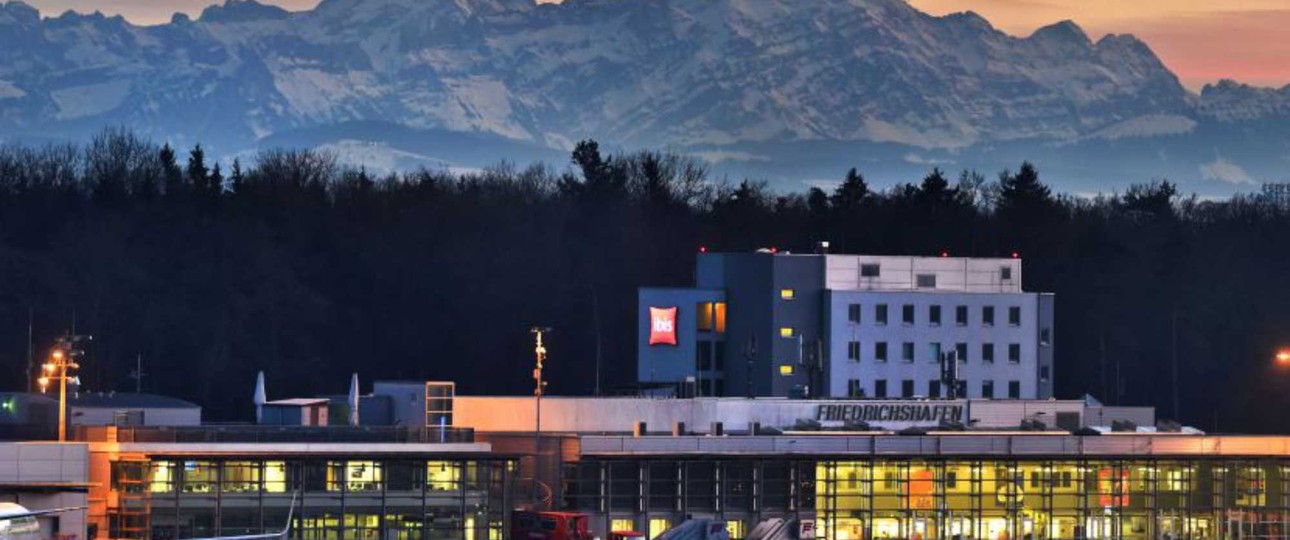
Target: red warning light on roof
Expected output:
[703,249]
[774,250]
[945,254]
[1016,255]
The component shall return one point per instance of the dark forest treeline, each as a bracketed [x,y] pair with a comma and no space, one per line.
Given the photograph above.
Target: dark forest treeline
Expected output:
[308,270]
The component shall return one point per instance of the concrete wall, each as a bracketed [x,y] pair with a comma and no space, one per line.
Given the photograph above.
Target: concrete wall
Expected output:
[29,470]
[900,273]
[617,415]
[106,416]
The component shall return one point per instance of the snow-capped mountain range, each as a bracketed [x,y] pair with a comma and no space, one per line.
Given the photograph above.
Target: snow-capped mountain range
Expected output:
[781,89]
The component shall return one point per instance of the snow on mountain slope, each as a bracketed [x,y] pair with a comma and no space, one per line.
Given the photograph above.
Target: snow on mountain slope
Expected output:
[677,73]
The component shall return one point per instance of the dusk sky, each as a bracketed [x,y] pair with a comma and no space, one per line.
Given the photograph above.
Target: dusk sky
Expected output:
[1201,40]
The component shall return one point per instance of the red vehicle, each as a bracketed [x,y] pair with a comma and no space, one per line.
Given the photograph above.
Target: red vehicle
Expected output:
[549,526]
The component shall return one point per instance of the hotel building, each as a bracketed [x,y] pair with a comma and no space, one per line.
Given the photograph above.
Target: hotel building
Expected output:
[789,325]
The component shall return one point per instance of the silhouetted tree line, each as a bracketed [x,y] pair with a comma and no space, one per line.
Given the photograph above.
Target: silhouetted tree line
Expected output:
[310,270]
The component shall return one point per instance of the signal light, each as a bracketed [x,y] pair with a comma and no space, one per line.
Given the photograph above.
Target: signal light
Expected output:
[945,254]
[774,250]
[703,249]
[1016,255]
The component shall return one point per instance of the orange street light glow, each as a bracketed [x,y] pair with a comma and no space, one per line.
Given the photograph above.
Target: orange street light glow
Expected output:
[1283,356]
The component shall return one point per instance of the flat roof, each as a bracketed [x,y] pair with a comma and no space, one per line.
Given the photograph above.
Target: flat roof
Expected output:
[293,449]
[297,402]
[128,399]
[1029,445]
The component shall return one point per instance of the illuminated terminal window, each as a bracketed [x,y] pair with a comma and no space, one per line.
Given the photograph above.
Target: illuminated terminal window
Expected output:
[786,332]
[786,294]
[786,369]
[711,317]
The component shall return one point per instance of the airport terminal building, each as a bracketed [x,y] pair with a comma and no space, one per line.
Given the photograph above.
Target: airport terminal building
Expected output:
[857,326]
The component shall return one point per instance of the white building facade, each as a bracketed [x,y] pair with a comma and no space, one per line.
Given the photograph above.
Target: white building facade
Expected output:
[889,320]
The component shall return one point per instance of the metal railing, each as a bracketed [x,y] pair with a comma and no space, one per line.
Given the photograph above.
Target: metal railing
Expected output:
[274,434]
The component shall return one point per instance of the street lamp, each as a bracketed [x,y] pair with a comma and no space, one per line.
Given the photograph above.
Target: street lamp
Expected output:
[539,352]
[62,361]
[1283,356]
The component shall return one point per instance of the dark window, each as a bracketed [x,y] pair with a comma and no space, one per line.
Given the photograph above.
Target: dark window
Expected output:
[1014,316]
[951,479]
[907,314]
[703,355]
[1014,353]
[933,389]
[853,313]
[1014,389]
[870,270]
[907,352]
[1043,373]
[961,315]
[926,281]
[987,352]
[1005,273]
[934,352]
[907,388]
[934,315]
[719,359]
[987,315]
[987,389]
[853,351]
[880,388]
[880,314]
[962,350]
[853,388]
[880,351]
[1046,336]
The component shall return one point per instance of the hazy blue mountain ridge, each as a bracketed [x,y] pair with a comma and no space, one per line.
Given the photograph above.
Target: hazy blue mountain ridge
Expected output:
[753,85]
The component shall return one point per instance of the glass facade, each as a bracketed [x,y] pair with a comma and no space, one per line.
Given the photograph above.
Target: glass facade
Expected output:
[954,499]
[339,498]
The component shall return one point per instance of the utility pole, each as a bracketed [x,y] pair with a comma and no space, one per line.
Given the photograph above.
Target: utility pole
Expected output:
[539,387]
[31,349]
[1173,331]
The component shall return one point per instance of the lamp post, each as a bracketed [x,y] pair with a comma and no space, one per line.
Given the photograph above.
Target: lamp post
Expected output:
[539,387]
[62,360]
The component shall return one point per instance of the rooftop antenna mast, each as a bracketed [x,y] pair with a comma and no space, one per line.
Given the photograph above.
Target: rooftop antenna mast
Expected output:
[137,374]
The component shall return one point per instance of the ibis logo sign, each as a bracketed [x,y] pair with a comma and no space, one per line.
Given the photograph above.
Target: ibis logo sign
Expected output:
[662,326]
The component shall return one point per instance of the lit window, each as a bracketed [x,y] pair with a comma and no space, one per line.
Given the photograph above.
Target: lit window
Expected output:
[786,332]
[163,477]
[275,477]
[622,525]
[786,294]
[703,317]
[721,317]
[786,369]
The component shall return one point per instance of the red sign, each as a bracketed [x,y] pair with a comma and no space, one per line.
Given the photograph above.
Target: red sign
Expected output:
[662,326]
